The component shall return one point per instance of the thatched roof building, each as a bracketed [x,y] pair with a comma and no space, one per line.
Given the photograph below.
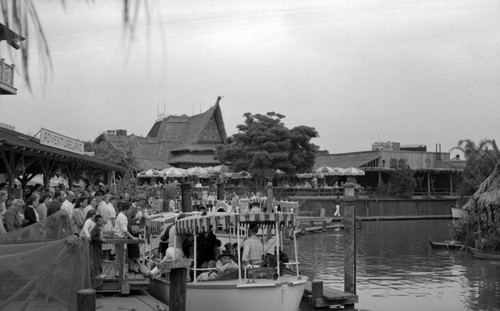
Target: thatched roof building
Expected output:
[483,209]
[488,193]
[180,141]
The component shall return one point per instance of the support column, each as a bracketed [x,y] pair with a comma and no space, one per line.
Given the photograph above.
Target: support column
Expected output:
[451,183]
[428,183]
[220,191]
[269,202]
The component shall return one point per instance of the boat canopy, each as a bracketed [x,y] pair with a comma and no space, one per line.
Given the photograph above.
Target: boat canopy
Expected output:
[199,224]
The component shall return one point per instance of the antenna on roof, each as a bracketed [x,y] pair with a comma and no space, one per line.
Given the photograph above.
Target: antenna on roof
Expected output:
[193,110]
[200,107]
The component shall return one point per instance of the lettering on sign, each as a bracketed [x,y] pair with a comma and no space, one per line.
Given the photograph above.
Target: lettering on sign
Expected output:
[53,139]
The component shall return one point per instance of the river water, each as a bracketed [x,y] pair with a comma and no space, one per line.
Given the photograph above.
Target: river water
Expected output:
[397,269]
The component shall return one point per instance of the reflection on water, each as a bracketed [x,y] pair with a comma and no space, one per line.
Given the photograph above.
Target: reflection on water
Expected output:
[397,269]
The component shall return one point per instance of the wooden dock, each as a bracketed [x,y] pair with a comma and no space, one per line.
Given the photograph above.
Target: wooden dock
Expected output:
[320,296]
[120,281]
[313,224]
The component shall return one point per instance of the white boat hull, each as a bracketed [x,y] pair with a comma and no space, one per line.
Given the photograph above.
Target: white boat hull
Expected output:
[283,294]
[457,212]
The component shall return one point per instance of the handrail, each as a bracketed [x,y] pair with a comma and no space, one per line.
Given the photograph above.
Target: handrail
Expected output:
[6,73]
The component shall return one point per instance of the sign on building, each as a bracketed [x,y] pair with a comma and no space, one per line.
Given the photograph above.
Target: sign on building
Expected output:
[53,139]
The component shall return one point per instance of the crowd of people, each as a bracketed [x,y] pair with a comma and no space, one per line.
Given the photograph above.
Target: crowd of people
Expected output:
[93,215]
[96,215]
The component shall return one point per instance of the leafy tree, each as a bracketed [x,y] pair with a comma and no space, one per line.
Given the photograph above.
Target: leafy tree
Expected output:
[481,160]
[401,181]
[123,155]
[264,144]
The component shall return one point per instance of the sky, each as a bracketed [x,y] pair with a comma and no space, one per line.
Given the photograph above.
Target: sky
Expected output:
[358,71]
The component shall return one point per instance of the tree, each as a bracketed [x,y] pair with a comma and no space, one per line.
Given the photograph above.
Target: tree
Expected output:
[481,160]
[123,155]
[401,181]
[264,144]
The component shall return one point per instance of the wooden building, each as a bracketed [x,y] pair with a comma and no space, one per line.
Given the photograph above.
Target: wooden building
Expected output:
[435,172]
[180,141]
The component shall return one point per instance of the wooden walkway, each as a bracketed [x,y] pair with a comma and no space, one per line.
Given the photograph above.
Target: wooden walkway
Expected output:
[312,224]
[110,283]
[320,296]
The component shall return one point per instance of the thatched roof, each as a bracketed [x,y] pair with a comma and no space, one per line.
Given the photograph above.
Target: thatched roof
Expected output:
[488,192]
[176,140]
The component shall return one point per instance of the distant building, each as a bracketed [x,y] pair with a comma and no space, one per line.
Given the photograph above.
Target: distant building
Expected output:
[180,141]
[435,172]
[117,132]
[7,126]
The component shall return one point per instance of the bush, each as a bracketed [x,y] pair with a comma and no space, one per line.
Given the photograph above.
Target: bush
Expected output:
[458,230]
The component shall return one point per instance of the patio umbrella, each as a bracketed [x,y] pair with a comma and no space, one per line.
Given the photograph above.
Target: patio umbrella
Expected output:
[198,172]
[329,171]
[305,175]
[149,173]
[220,169]
[173,172]
[352,171]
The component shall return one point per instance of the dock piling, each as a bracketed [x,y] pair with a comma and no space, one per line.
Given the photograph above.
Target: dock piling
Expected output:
[178,280]
[86,300]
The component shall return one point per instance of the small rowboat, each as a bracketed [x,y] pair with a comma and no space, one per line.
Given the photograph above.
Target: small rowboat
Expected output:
[488,255]
[446,245]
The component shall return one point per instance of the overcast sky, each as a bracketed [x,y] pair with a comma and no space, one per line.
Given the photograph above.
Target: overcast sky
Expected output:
[359,71]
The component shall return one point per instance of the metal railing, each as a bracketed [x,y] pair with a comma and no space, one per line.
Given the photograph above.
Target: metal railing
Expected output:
[6,73]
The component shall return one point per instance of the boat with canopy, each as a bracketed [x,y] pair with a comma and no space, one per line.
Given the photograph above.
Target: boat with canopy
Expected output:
[252,287]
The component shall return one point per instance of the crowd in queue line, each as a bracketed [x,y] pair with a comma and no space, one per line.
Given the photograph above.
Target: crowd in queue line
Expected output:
[92,213]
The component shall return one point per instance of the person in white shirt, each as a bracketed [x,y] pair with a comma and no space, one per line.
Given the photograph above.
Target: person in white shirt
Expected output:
[108,213]
[121,231]
[88,225]
[67,205]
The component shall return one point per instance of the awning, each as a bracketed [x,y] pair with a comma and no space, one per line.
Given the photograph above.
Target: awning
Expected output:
[199,224]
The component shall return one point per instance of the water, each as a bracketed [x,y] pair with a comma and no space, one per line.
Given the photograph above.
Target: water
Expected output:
[397,269]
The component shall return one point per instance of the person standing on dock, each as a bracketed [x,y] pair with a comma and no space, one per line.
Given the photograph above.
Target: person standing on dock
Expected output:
[108,213]
[121,231]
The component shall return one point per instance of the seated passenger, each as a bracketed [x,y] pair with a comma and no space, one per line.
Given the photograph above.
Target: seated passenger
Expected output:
[224,265]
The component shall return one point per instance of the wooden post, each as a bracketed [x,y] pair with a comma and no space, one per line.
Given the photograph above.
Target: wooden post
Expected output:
[187,205]
[316,292]
[350,240]
[86,300]
[178,280]
[324,226]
